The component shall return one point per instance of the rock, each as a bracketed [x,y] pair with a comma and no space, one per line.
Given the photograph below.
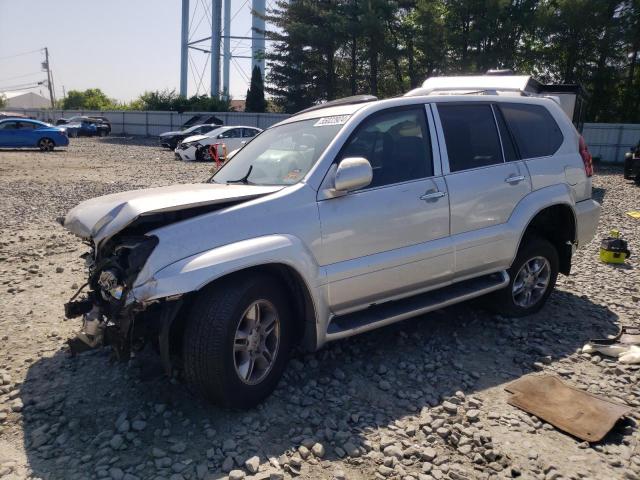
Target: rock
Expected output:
[473,415]
[116,442]
[318,450]
[138,425]
[304,452]
[393,451]
[228,464]
[450,407]
[178,447]
[253,463]
[158,453]
[384,385]
[429,454]
[236,475]
[116,473]
[16,405]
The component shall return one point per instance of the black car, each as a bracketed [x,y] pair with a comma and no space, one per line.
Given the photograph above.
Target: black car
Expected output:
[632,164]
[102,125]
[172,139]
[201,120]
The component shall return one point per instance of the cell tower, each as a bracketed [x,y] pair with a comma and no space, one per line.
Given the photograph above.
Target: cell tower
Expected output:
[218,41]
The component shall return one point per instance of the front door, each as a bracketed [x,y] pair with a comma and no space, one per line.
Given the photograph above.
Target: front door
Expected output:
[485,181]
[391,238]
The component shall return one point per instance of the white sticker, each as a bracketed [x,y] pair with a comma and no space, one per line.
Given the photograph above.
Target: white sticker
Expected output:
[335,120]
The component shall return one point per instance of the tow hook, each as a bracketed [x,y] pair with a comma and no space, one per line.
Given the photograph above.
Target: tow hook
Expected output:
[92,333]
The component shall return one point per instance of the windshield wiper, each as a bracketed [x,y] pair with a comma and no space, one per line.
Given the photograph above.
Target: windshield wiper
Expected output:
[244,179]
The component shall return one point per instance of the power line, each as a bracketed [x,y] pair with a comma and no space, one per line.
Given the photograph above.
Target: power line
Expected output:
[20,76]
[21,54]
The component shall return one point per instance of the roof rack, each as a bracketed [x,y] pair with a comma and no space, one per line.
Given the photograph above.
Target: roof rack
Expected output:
[341,101]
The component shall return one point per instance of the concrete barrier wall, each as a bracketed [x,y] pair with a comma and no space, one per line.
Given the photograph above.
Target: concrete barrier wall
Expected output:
[151,123]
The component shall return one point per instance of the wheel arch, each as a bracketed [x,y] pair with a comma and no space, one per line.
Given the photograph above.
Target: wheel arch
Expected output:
[303,308]
[557,224]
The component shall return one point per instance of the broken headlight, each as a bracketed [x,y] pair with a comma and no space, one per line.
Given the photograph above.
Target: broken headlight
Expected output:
[115,273]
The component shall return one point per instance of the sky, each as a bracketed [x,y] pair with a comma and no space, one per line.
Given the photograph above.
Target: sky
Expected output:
[123,47]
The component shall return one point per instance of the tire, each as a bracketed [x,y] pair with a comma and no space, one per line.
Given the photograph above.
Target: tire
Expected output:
[46,144]
[534,251]
[102,133]
[219,320]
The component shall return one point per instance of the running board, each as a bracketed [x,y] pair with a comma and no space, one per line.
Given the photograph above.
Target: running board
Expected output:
[390,312]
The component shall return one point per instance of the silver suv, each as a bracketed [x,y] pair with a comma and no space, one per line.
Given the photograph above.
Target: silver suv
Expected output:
[340,219]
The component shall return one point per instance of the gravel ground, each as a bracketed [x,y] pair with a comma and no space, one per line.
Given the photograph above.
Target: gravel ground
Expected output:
[423,399]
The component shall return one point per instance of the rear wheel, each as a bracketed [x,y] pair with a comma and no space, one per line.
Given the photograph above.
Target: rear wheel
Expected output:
[46,144]
[237,340]
[532,275]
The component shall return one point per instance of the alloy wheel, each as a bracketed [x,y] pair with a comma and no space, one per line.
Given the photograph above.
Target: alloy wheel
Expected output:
[531,282]
[256,342]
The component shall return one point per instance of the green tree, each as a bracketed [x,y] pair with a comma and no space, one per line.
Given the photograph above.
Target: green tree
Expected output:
[90,99]
[255,94]
[164,100]
[3,101]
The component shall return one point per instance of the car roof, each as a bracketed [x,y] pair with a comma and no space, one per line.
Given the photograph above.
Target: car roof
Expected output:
[350,109]
[21,119]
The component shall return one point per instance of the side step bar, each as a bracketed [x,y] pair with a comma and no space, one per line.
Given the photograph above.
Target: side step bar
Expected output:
[394,311]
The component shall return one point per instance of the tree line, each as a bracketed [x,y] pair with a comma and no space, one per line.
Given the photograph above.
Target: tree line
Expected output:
[322,50]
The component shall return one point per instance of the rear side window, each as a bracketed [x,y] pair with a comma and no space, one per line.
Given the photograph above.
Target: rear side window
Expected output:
[471,136]
[535,131]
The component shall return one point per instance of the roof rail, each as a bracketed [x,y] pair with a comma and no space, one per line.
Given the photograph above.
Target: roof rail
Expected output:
[341,101]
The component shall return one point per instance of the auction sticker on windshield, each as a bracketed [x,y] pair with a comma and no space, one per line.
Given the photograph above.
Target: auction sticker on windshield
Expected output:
[334,120]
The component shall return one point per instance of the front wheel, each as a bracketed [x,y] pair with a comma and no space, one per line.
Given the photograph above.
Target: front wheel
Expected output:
[237,340]
[46,145]
[532,275]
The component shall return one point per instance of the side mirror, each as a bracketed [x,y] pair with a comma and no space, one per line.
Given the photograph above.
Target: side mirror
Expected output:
[353,173]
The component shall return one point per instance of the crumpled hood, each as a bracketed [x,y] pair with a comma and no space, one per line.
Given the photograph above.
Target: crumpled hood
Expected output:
[195,138]
[102,217]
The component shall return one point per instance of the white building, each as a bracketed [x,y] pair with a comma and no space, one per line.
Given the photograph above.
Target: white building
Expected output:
[25,100]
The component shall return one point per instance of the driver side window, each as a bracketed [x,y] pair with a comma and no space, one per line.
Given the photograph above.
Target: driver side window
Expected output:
[396,143]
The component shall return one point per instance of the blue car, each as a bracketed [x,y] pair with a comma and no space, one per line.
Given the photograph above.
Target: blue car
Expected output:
[21,132]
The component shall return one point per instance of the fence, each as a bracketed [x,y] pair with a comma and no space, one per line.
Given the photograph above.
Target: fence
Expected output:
[610,141]
[153,122]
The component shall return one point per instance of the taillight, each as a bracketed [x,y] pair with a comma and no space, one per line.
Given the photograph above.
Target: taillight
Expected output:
[586,157]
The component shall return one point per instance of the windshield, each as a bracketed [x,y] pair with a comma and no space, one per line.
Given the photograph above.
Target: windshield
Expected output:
[281,155]
[191,129]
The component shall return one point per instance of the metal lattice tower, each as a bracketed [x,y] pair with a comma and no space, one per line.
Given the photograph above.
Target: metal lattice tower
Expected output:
[205,17]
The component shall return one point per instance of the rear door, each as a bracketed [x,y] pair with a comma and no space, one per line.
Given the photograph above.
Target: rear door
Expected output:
[485,182]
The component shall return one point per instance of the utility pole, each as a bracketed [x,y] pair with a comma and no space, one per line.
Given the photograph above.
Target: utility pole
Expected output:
[45,65]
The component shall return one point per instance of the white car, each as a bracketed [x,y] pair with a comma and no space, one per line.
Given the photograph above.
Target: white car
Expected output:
[196,147]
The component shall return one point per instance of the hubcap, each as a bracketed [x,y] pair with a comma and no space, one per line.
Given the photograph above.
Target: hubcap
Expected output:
[46,144]
[531,282]
[256,342]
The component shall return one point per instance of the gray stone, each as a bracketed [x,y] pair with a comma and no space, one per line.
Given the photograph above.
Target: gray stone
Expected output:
[318,450]
[116,442]
[253,463]
[236,475]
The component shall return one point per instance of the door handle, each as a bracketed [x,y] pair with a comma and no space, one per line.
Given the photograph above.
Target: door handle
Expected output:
[514,179]
[433,195]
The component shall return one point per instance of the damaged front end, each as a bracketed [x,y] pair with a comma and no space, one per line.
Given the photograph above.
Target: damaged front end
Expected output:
[111,316]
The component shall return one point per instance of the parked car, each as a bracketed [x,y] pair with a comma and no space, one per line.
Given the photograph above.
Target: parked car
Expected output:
[172,139]
[85,126]
[632,164]
[22,132]
[340,219]
[201,120]
[196,147]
